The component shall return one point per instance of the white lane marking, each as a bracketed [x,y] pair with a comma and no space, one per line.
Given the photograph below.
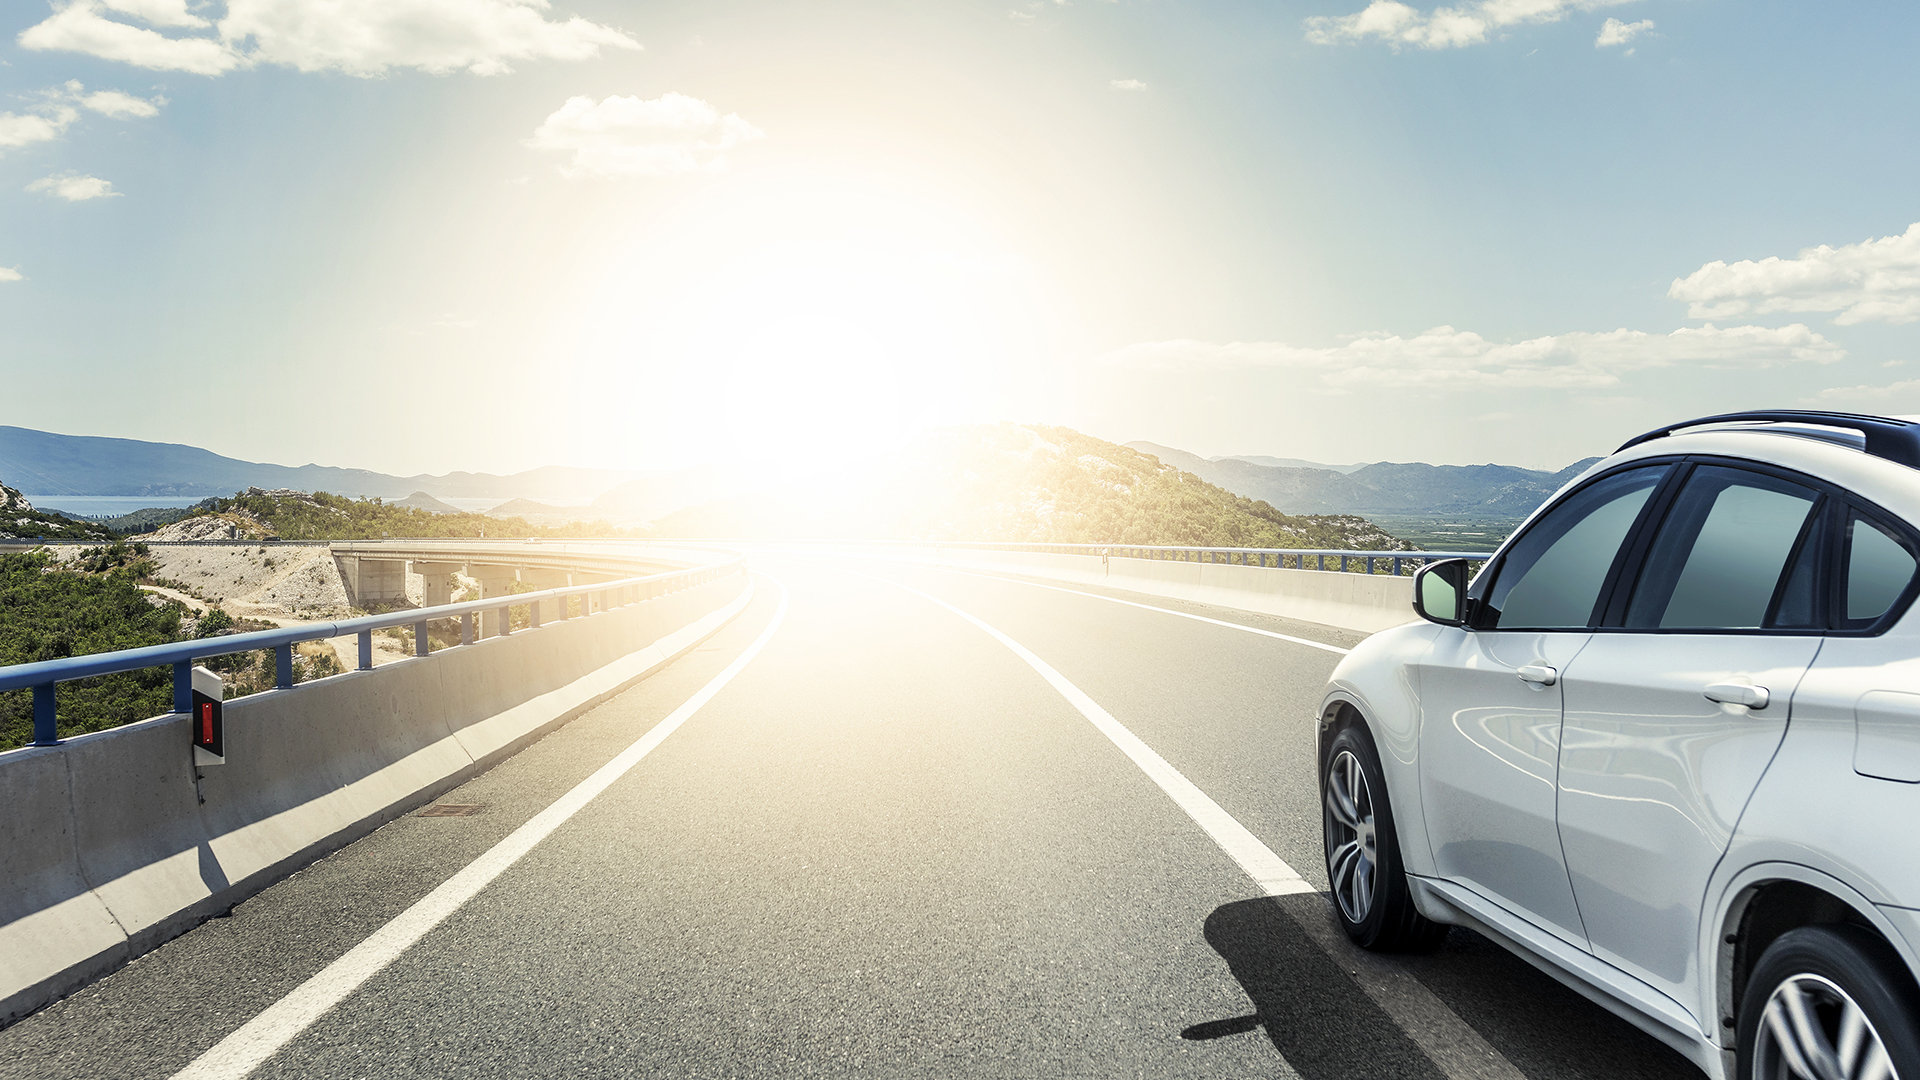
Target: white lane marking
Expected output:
[243,1051]
[1268,870]
[1310,643]
[1459,1051]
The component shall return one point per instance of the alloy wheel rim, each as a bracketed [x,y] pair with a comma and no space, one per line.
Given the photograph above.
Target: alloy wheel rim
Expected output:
[1352,858]
[1811,1029]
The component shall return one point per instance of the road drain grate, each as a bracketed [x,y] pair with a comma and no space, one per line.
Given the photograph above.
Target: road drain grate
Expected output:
[450,809]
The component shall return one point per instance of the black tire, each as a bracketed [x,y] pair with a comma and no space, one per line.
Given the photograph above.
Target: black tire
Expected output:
[1366,878]
[1807,986]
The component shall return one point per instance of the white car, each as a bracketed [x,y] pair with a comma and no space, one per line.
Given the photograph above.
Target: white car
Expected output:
[1666,747]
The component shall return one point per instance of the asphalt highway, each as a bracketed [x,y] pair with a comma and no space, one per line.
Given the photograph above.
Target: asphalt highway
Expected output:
[886,844]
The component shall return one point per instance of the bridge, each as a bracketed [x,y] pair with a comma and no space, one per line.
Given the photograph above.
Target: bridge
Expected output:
[854,810]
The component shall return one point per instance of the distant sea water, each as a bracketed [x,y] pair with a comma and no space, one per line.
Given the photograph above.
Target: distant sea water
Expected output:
[115,505]
[106,505]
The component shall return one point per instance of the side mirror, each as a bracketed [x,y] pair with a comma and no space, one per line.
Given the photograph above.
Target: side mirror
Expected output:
[1440,592]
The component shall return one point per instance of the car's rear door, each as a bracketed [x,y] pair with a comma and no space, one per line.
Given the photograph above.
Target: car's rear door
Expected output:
[1673,711]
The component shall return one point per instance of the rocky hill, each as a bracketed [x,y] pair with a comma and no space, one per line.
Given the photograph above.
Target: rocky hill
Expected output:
[1504,491]
[287,514]
[1019,482]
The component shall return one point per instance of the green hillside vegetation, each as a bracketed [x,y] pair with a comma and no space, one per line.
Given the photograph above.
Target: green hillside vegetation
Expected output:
[1024,483]
[94,604]
[145,521]
[50,614]
[322,516]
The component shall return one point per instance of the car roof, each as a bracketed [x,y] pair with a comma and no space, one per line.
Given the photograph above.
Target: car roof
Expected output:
[1837,457]
[1893,438]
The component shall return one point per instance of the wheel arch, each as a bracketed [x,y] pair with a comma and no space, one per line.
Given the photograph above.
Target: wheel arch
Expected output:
[1765,901]
[1399,761]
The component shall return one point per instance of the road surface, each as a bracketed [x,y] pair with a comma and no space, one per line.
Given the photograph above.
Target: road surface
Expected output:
[877,826]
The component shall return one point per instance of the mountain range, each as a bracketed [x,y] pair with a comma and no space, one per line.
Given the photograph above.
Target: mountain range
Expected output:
[45,463]
[1494,491]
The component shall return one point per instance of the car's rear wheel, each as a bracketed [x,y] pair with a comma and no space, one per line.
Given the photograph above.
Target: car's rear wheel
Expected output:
[1828,1003]
[1364,871]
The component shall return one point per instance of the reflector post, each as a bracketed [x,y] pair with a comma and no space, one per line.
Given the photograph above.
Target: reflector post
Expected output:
[207,725]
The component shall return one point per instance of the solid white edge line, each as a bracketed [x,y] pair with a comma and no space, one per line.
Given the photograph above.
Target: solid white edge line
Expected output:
[1308,642]
[1267,869]
[247,1048]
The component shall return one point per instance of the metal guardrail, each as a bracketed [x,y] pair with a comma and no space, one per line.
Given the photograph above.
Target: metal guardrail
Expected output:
[41,677]
[1350,562]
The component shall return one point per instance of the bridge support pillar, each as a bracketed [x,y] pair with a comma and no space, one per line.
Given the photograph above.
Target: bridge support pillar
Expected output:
[495,580]
[436,581]
[373,582]
[547,579]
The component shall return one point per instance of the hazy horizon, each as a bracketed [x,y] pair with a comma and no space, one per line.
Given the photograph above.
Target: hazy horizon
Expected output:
[490,235]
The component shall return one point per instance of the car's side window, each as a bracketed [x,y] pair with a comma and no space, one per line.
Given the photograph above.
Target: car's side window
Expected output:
[1552,576]
[1878,568]
[1721,556]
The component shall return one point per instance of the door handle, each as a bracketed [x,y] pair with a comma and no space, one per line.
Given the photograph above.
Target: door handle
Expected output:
[1539,674]
[1733,693]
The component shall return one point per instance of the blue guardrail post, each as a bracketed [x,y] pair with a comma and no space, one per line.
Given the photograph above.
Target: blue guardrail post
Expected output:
[183,687]
[43,728]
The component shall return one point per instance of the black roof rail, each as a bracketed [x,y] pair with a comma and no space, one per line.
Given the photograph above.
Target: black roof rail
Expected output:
[1896,440]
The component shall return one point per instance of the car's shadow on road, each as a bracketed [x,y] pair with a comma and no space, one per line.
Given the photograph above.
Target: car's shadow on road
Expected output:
[1309,1006]
[1305,989]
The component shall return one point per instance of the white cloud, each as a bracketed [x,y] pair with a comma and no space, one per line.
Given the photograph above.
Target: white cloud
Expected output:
[75,188]
[114,104]
[1020,16]
[1872,281]
[1616,32]
[366,37]
[10,274]
[359,37]
[1444,27]
[1865,395]
[17,129]
[60,107]
[1127,84]
[81,27]
[1446,357]
[158,12]
[625,136]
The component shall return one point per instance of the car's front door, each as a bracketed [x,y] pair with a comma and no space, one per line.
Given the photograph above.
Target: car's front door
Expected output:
[1673,712]
[1490,703]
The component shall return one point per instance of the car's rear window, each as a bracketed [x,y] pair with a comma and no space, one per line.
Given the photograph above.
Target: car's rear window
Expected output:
[1722,551]
[1879,567]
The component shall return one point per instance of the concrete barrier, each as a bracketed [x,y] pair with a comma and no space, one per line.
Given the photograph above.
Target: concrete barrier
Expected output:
[1366,603]
[106,849]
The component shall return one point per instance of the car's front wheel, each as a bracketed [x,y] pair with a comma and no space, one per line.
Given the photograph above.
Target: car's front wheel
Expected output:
[1364,872]
[1828,1003]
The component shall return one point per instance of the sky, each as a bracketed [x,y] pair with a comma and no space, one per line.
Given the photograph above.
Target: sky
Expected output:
[434,235]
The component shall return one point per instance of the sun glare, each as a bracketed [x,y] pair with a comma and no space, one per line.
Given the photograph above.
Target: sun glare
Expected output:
[802,315]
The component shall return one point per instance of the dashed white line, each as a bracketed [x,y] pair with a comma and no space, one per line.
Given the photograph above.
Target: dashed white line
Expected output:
[244,1050]
[1308,642]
